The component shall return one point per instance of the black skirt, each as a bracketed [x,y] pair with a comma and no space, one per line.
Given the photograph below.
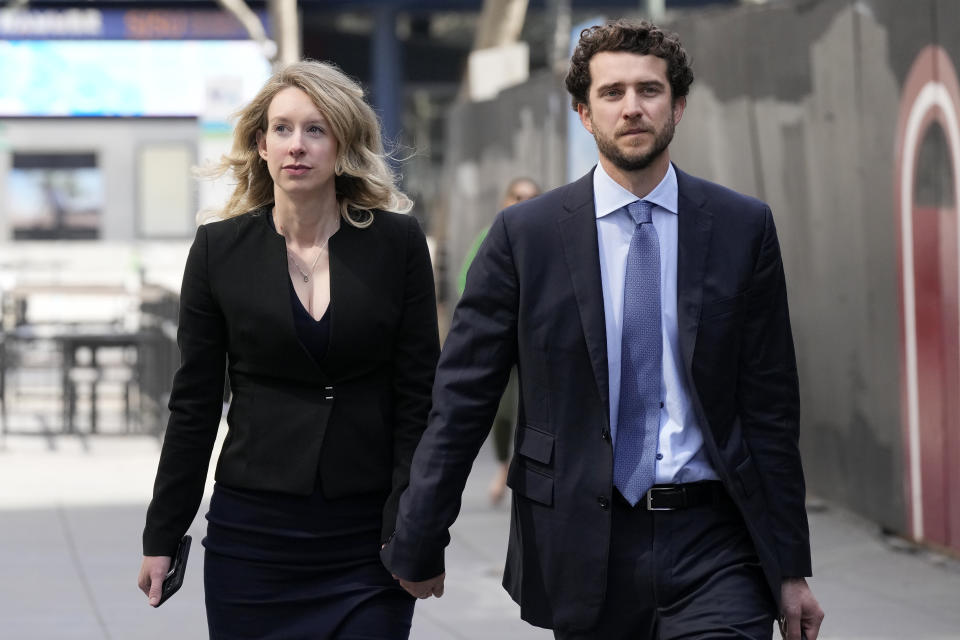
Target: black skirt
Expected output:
[286,567]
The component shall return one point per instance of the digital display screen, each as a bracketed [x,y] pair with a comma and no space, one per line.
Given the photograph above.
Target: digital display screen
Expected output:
[208,79]
[55,196]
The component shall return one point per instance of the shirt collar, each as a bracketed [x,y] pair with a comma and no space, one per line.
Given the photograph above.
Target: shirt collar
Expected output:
[608,196]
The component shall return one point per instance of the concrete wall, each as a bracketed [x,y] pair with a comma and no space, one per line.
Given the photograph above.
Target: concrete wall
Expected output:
[798,103]
[490,143]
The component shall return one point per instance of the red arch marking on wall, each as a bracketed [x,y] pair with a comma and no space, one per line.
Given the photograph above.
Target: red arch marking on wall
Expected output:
[931,94]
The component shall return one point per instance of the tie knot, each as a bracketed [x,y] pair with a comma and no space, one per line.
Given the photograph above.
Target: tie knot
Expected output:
[641,211]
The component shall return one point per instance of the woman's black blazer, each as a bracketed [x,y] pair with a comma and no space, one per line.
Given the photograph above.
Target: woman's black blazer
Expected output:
[350,422]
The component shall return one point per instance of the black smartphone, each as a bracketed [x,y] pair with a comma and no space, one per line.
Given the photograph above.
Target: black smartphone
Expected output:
[178,569]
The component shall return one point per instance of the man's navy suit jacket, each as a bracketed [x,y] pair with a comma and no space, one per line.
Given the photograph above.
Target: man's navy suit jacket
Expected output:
[534,298]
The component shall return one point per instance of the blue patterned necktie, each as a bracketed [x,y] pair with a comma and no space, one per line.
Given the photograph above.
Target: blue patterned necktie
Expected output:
[641,361]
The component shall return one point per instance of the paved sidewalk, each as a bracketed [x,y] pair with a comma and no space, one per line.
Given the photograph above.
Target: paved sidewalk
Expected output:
[71,511]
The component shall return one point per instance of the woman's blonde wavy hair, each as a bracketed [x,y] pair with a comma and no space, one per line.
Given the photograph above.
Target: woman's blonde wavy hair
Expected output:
[364,181]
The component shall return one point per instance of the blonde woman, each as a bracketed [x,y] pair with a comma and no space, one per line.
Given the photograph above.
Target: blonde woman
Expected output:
[316,295]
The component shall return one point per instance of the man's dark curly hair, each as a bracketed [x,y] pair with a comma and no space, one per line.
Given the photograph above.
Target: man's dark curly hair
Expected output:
[643,38]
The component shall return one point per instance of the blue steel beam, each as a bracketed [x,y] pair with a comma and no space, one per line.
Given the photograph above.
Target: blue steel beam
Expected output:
[387,70]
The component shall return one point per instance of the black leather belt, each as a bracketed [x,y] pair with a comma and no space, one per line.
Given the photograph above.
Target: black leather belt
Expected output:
[671,497]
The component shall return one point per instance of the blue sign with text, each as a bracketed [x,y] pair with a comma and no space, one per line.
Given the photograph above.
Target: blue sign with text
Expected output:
[116,24]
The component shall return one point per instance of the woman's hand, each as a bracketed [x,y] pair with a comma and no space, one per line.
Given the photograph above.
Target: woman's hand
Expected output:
[152,572]
[422,590]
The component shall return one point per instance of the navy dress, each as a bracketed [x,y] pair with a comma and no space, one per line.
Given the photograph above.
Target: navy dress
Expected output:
[280,566]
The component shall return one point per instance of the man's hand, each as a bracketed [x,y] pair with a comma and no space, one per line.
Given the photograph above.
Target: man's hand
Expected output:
[152,572]
[425,589]
[800,612]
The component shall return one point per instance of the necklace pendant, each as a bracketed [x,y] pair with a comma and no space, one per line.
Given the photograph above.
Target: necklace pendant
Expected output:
[306,278]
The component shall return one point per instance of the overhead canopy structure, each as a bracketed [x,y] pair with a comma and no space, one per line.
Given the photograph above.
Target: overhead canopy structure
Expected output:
[375,54]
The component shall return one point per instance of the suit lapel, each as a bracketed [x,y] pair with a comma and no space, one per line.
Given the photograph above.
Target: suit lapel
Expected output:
[694,231]
[276,299]
[346,247]
[578,232]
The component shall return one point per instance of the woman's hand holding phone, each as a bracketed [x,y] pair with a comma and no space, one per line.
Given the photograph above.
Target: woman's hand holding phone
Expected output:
[153,570]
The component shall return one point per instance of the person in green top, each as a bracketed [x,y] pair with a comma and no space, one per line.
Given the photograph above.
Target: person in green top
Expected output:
[518,190]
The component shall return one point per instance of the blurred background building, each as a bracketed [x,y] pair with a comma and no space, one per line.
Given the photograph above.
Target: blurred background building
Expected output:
[844,115]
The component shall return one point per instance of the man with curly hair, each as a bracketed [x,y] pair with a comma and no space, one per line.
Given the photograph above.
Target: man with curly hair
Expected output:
[658,490]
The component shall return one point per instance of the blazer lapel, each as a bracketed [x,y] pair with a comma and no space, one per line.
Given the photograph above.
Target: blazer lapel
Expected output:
[578,232]
[695,226]
[276,298]
[345,247]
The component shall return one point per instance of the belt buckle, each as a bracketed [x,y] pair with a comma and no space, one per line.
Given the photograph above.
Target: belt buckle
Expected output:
[650,506]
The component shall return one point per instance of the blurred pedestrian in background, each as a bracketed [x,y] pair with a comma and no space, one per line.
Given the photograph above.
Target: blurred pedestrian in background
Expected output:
[518,190]
[318,296]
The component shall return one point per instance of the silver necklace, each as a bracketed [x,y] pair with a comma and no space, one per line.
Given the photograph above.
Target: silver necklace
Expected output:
[306,274]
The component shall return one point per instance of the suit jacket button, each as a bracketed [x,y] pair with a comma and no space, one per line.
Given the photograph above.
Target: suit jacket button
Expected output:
[605,435]
[604,502]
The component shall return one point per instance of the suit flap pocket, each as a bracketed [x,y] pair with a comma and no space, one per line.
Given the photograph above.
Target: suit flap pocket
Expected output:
[531,484]
[535,444]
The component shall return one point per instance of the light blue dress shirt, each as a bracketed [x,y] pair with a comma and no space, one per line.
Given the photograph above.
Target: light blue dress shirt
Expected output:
[680,453]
